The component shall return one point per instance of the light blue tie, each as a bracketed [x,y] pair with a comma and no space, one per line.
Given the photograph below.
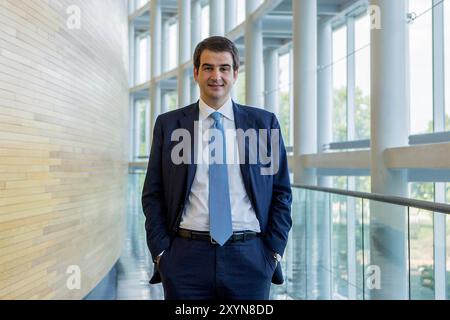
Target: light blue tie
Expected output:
[220,227]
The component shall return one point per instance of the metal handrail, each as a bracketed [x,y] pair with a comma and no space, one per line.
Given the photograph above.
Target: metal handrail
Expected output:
[420,204]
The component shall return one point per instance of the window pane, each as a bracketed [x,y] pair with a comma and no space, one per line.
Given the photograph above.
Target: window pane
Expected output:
[205,22]
[284,96]
[240,11]
[340,84]
[447,62]
[362,80]
[173,45]
[421,68]
[172,103]
[362,184]
[240,87]
[141,128]
[144,57]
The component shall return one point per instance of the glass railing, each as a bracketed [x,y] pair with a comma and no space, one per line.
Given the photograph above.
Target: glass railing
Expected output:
[352,245]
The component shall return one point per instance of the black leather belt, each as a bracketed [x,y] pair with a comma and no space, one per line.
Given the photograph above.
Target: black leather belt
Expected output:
[204,235]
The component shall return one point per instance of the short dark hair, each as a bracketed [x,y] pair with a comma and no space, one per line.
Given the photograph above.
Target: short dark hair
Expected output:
[217,44]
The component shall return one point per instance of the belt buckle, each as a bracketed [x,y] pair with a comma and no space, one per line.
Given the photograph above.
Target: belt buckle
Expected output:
[212,240]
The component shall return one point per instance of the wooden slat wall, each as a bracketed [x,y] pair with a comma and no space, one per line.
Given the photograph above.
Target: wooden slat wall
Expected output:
[63,144]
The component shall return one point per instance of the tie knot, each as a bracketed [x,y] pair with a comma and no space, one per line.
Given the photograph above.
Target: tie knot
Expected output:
[216,117]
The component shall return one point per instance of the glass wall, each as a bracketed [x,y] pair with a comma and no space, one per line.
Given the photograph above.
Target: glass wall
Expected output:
[421,243]
[339,247]
[421,67]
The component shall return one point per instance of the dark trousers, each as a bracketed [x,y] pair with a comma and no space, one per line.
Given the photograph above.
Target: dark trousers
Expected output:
[199,270]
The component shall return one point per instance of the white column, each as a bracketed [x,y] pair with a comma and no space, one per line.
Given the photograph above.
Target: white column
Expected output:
[230,15]
[271,80]
[389,128]
[253,57]
[324,136]
[305,86]
[184,51]
[155,89]
[216,17]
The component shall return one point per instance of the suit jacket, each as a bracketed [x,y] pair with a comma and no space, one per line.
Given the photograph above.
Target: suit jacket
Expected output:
[167,185]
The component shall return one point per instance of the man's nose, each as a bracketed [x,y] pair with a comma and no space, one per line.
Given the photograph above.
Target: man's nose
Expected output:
[215,74]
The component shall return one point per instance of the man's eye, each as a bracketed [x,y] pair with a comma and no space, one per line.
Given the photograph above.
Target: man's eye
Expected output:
[224,69]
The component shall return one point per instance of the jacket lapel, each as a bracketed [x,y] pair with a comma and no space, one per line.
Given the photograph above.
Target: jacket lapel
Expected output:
[187,122]
[241,120]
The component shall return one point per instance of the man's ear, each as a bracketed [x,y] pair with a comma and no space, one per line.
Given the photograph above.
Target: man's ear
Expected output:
[235,74]
[195,74]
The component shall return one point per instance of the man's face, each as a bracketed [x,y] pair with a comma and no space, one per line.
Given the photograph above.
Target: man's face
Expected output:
[215,77]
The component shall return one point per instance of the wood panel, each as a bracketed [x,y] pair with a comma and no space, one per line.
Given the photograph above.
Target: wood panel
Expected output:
[63,144]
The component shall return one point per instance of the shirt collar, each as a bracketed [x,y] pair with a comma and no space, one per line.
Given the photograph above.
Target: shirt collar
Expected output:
[226,110]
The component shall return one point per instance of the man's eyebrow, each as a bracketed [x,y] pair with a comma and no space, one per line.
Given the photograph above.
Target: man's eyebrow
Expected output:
[211,65]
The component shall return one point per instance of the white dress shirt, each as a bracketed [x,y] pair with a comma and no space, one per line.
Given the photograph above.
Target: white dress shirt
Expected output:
[196,213]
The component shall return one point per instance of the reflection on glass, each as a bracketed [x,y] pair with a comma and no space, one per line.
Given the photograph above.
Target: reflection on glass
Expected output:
[364,255]
[421,68]
[359,238]
[421,259]
[340,84]
[362,78]
[387,264]
[318,250]
[296,251]
[339,252]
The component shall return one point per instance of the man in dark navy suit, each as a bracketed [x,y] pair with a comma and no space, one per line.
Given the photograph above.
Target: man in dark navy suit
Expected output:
[217,228]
